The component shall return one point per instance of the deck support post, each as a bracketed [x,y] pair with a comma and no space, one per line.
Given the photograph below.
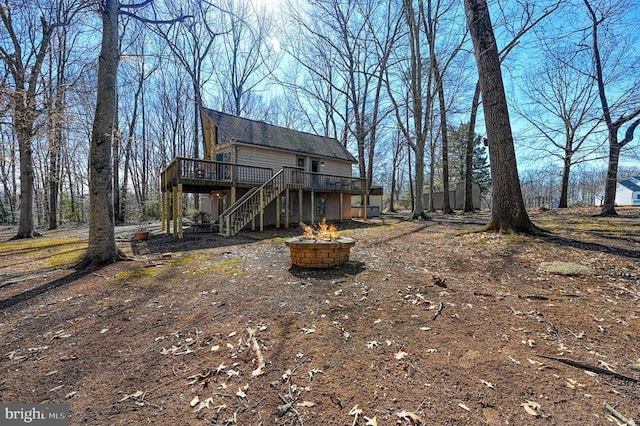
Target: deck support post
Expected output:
[178,209]
[286,209]
[313,211]
[174,207]
[299,205]
[261,210]
[366,202]
[341,195]
[278,207]
[163,211]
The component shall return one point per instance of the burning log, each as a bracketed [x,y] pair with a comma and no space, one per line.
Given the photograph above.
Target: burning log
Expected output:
[320,231]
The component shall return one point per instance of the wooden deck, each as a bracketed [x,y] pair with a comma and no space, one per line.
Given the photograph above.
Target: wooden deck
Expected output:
[205,176]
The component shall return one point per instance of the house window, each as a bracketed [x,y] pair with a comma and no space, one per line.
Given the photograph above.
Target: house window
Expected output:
[638,196]
[321,207]
[300,162]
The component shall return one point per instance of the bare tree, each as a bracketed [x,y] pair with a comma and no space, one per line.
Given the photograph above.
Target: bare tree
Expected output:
[508,213]
[346,55]
[630,104]
[518,26]
[102,243]
[24,53]
[248,60]
[435,13]
[562,113]
[419,102]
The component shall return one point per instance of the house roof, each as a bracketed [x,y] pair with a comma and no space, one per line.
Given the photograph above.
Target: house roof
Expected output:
[243,130]
[631,184]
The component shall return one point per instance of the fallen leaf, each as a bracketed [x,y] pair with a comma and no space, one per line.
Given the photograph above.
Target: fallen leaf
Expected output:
[531,407]
[355,411]
[194,401]
[314,371]
[408,415]
[464,407]
[401,353]
[371,422]
[487,384]
[306,404]
[204,404]
[372,344]
[258,371]
[233,333]
[215,348]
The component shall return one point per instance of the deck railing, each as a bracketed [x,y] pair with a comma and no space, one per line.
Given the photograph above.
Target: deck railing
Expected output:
[204,172]
[214,173]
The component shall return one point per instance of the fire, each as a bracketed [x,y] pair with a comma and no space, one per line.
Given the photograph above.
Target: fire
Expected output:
[320,231]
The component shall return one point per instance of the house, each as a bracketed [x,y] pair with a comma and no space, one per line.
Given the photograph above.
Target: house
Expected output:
[456,197]
[628,192]
[256,173]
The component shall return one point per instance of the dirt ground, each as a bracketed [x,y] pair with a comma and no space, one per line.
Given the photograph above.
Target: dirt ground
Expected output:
[437,327]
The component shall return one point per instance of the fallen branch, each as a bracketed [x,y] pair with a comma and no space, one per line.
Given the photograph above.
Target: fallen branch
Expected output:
[534,297]
[438,311]
[592,368]
[615,413]
[256,348]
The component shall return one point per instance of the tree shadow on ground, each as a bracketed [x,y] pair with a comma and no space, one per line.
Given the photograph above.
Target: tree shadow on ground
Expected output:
[589,246]
[159,243]
[36,291]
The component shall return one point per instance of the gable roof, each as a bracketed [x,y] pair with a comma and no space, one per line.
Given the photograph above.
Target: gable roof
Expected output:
[251,132]
[631,184]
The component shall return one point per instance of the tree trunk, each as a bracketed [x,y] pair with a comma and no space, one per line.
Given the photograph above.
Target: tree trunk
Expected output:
[611,182]
[471,138]
[102,242]
[508,213]
[26,227]
[564,189]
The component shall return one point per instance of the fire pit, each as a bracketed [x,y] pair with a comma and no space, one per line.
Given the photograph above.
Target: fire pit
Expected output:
[319,247]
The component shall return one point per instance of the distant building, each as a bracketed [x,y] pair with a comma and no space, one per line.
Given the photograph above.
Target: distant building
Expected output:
[628,192]
[456,197]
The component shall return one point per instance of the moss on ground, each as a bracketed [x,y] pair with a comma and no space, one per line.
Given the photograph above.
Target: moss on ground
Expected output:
[566,268]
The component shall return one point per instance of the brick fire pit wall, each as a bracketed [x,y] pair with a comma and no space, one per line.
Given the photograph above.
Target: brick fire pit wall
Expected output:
[316,254]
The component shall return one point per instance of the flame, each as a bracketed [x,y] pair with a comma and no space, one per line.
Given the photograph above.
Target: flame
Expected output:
[320,231]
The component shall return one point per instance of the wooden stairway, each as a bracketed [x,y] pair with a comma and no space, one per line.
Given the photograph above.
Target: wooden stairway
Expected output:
[238,215]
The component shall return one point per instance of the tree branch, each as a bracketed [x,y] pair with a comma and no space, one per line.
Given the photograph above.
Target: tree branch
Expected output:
[135,5]
[154,21]
[628,135]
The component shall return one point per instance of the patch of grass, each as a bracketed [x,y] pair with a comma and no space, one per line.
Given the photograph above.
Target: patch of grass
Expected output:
[227,268]
[33,244]
[67,258]
[180,261]
[142,274]
[278,240]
